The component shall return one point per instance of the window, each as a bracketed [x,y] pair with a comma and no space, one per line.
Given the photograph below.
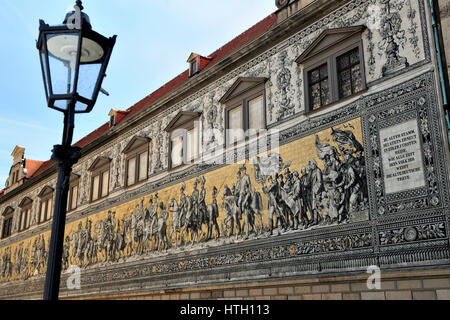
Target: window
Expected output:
[72,198]
[45,205]
[100,184]
[136,160]
[7,222]
[245,109]
[349,73]
[25,213]
[99,178]
[194,64]
[256,118]
[333,67]
[319,90]
[176,154]
[235,124]
[184,137]
[194,67]
[191,145]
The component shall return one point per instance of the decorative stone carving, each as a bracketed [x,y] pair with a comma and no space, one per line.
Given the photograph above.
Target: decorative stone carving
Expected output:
[283,99]
[281,3]
[392,36]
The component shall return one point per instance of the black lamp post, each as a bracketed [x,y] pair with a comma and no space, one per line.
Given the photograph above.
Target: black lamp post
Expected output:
[74,59]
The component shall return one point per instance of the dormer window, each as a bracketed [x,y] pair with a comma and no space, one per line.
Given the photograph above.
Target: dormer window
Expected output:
[115,116]
[112,121]
[112,118]
[196,63]
[194,67]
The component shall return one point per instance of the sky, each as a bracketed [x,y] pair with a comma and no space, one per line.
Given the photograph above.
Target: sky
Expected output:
[154,41]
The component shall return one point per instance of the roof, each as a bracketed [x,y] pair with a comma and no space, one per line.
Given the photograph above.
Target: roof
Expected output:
[37,167]
[32,166]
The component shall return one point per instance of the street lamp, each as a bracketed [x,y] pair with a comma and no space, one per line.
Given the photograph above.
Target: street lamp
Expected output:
[74,59]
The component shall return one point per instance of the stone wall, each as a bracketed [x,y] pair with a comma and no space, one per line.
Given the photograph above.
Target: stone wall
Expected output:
[395,285]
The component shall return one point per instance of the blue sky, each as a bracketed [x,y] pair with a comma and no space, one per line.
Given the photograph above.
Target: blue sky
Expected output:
[155,38]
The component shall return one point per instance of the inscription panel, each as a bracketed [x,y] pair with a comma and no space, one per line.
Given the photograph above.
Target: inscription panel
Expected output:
[401,157]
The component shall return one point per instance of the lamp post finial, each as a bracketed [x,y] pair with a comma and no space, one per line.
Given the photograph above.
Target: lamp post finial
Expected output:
[79,4]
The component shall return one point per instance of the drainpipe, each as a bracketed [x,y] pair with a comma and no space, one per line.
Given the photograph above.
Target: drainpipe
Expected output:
[443,75]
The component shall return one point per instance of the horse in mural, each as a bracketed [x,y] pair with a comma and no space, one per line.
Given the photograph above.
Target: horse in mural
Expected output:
[185,223]
[156,229]
[234,213]
[251,207]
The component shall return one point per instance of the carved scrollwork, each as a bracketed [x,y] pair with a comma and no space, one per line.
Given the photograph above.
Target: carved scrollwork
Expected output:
[422,232]
[281,3]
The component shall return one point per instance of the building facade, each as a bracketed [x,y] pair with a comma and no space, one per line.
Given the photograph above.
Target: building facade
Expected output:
[308,150]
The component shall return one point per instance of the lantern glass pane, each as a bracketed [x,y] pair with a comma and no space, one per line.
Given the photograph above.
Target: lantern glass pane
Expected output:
[87,79]
[62,104]
[62,56]
[44,72]
[80,106]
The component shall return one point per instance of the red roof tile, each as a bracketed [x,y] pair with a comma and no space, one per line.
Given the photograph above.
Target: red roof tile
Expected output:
[44,166]
[32,166]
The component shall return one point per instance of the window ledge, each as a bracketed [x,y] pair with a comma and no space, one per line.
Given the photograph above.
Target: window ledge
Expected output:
[330,105]
[99,199]
[134,184]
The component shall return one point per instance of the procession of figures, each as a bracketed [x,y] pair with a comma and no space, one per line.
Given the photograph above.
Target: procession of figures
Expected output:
[295,201]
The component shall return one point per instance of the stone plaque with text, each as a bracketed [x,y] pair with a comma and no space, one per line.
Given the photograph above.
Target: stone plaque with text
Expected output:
[402,157]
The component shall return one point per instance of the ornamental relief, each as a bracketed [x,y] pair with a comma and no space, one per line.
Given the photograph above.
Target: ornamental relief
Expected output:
[322,186]
[405,129]
[201,212]
[413,233]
